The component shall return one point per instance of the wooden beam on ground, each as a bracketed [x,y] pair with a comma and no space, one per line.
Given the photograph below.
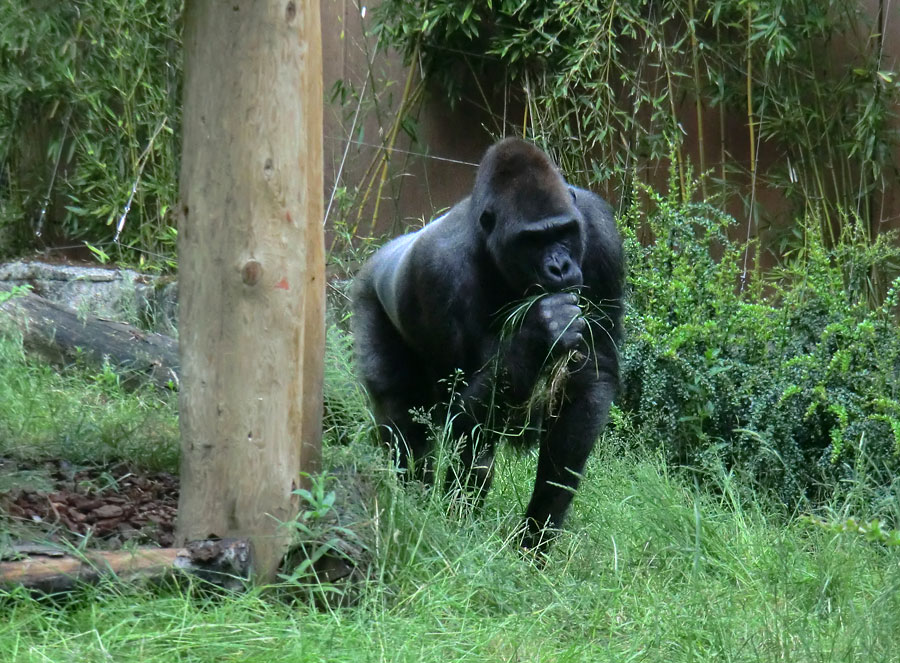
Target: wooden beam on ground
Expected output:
[251,269]
[222,562]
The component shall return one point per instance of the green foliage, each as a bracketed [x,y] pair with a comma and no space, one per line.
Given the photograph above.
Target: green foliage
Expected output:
[315,533]
[791,380]
[15,291]
[608,85]
[89,117]
[873,530]
[346,411]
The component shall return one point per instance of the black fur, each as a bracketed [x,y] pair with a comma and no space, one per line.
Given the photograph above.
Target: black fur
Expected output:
[434,301]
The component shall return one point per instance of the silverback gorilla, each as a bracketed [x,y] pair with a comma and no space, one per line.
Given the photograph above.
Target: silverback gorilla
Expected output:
[437,301]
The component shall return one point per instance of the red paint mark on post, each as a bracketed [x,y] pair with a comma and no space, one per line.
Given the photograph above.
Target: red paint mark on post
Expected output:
[287,216]
[282,284]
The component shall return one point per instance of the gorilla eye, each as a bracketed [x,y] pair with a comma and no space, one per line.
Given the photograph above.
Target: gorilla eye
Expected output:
[487,221]
[572,193]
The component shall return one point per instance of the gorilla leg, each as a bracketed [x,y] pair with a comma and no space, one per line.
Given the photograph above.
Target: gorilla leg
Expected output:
[395,384]
[473,470]
[407,437]
[564,452]
[552,326]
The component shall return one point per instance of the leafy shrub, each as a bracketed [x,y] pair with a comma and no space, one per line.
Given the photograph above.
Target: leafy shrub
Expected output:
[792,380]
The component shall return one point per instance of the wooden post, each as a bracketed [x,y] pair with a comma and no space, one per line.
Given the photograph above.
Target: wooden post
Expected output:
[251,269]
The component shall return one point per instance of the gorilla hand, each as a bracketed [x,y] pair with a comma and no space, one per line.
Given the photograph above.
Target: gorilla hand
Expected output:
[559,321]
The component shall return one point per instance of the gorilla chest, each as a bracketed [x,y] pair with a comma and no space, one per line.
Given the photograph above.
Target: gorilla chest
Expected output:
[455,345]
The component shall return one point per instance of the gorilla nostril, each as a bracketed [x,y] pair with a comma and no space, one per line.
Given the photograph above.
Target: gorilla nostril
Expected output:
[560,270]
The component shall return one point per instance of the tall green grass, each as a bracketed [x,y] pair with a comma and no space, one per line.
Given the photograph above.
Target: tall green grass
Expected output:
[649,568]
[652,565]
[697,563]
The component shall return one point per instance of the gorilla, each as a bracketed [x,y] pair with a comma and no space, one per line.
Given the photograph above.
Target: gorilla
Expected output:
[517,286]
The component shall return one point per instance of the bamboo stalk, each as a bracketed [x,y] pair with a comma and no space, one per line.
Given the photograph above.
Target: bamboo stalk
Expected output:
[695,57]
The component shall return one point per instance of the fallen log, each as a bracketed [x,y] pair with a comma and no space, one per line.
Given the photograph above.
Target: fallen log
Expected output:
[222,562]
[61,335]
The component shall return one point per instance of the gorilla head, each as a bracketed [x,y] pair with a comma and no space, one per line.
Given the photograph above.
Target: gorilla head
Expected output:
[532,228]
[431,302]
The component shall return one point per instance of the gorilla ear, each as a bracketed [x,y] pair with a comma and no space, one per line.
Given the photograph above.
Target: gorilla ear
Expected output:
[487,221]
[572,193]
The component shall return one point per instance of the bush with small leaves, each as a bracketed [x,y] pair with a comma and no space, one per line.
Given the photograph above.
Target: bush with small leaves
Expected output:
[792,378]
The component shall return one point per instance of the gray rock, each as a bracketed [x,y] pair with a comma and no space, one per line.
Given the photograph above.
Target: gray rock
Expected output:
[144,300]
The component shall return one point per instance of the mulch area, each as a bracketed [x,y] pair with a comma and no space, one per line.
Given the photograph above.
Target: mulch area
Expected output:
[110,505]
[49,506]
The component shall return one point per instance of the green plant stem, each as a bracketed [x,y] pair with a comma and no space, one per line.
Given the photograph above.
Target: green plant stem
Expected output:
[383,157]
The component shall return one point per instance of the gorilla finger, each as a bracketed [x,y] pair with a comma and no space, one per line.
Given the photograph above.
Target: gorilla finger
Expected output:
[576,340]
[563,298]
[571,317]
[551,310]
[556,307]
[564,322]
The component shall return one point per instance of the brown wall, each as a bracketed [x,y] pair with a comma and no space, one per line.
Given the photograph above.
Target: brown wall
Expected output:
[419,185]
[889,214]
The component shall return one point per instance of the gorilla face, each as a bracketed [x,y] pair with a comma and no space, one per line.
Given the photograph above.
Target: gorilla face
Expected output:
[546,253]
[532,229]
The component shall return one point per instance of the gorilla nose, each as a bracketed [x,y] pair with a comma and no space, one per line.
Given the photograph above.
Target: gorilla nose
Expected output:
[562,272]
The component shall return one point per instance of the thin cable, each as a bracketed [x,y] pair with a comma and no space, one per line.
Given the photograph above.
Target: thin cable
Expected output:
[397,149]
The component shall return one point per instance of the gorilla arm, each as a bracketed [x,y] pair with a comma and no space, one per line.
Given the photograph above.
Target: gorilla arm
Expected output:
[591,383]
[426,283]
[418,316]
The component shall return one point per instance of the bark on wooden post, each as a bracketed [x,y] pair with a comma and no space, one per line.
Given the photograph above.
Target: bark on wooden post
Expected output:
[251,268]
